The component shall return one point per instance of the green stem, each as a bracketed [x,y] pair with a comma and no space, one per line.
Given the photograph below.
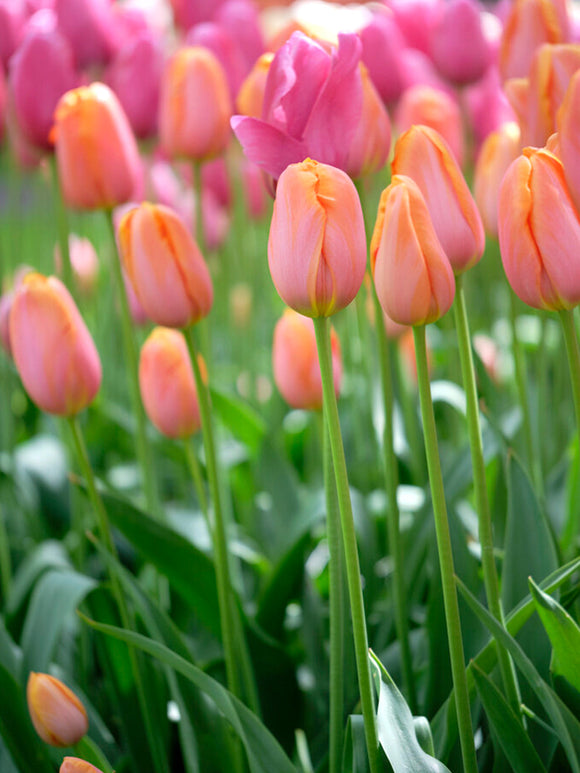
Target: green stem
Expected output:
[571,339]
[199,234]
[445,556]
[410,418]
[63,229]
[142,446]
[393,526]
[336,607]
[490,578]
[126,618]
[197,478]
[5,561]
[322,329]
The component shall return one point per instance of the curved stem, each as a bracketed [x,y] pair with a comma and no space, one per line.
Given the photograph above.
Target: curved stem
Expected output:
[197,478]
[63,230]
[490,578]
[445,556]
[322,329]
[571,339]
[393,517]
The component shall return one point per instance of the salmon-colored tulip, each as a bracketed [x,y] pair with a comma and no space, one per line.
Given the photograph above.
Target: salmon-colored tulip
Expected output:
[295,361]
[98,160]
[539,232]
[164,265]
[84,261]
[52,348]
[317,243]
[413,277]
[76,765]
[569,139]
[422,154]
[167,384]
[497,153]
[250,98]
[195,109]
[58,716]
[371,144]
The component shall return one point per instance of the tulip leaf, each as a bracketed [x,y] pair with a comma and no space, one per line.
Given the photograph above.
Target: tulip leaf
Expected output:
[240,418]
[48,555]
[354,757]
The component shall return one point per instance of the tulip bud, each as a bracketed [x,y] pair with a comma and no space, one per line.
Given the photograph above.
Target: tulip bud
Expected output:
[371,144]
[84,262]
[422,154]
[413,277]
[539,232]
[195,105]
[165,266]
[568,139]
[58,716]
[98,160]
[213,38]
[250,98]
[241,19]
[52,348]
[382,45]
[76,765]
[317,243]
[459,46]
[89,26]
[295,361]
[167,384]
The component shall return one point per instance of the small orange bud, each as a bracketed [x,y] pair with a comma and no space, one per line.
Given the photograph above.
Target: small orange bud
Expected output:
[57,714]
[76,765]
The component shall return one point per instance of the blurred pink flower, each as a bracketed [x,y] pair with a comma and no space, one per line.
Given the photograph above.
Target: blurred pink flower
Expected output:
[459,47]
[89,26]
[382,44]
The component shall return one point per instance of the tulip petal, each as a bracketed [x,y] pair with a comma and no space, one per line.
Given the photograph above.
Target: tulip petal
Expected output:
[266,145]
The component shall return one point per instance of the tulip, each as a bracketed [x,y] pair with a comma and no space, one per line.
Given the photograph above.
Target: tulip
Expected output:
[539,232]
[222,44]
[89,26]
[568,140]
[487,106]
[167,384]
[413,277]
[415,19]
[3,100]
[58,716]
[12,20]
[317,243]
[165,266]
[96,152]
[188,13]
[382,44]
[497,153]
[295,361]
[195,106]
[250,97]
[76,765]
[459,47]
[419,70]
[371,143]
[52,348]
[255,197]
[421,153]
[84,262]
[241,19]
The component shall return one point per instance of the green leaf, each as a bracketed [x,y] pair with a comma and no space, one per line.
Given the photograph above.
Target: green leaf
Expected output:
[50,554]
[355,758]
[240,418]
[264,753]
[396,728]
[508,728]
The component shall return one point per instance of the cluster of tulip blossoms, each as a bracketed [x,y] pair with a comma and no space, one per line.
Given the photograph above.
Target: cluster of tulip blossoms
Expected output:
[312,110]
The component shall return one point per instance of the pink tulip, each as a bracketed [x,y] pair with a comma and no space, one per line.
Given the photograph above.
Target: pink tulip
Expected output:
[167,384]
[52,348]
[240,18]
[413,277]
[382,44]
[487,106]
[255,197]
[76,765]
[3,103]
[89,26]
[568,140]
[222,44]
[12,20]
[312,106]
[539,232]
[295,361]
[371,143]
[422,154]
[418,70]
[84,262]
[58,716]
[190,12]
[415,18]
[459,47]
[317,244]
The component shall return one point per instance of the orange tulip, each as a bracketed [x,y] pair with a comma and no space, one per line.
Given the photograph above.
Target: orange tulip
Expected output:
[539,232]
[164,265]
[497,153]
[52,348]
[58,716]
[422,154]
[295,361]
[317,243]
[76,765]
[413,277]
[371,144]
[569,140]
[251,93]
[96,151]
[195,107]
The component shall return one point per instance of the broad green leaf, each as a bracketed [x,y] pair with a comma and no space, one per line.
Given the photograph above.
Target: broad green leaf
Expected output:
[355,758]
[264,753]
[240,418]
[10,653]
[510,733]
[396,729]
[48,555]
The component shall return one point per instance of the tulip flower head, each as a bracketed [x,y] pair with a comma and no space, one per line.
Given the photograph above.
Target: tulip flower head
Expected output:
[459,46]
[76,765]
[52,348]
[164,265]
[317,243]
[497,153]
[58,716]
[539,232]
[568,139]
[413,277]
[371,143]
[295,361]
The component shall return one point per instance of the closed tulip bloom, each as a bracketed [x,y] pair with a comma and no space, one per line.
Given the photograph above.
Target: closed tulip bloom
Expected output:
[52,348]
[167,384]
[295,361]
[84,261]
[58,716]
[250,97]
[568,139]
[89,26]
[195,109]
[165,266]
[382,45]
[317,243]
[371,144]
[222,44]
[413,278]
[497,153]
[76,765]
[539,232]
[12,21]
[422,154]
[96,151]
[459,46]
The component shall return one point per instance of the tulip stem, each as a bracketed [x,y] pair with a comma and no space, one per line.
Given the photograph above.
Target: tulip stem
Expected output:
[490,578]
[445,556]
[322,329]
[336,606]
[571,339]
[63,229]
[393,525]
[193,464]
[5,562]
[234,642]
[198,235]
